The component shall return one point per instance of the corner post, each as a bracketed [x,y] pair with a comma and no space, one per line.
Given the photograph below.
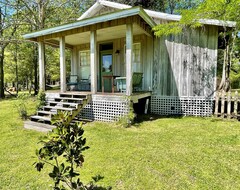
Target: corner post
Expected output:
[129,45]
[62,65]
[93,60]
[41,66]
[74,66]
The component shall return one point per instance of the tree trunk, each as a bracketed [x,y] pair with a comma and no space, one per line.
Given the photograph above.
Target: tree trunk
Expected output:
[223,80]
[1,73]
[16,68]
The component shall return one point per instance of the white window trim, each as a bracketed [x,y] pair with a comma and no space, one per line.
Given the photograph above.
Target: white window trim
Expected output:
[79,56]
[139,50]
[83,66]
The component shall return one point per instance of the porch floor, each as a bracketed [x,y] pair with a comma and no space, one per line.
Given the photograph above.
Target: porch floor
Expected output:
[134,97]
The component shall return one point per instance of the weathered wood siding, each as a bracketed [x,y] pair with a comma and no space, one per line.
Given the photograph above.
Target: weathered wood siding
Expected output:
[185,65]
[119,65]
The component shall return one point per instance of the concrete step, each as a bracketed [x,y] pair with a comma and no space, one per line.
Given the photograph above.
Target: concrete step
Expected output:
[41,119]
[38,126]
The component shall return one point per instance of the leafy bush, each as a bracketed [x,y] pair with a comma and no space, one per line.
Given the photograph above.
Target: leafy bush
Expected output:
[21,105]
[62,149]
[127,120]
[41,100]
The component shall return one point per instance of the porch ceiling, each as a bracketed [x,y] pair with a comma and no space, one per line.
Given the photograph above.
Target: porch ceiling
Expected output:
[102,35]
[108,26]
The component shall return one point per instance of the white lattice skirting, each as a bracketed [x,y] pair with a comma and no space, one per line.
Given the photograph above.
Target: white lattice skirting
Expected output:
[191,106]
[103,110]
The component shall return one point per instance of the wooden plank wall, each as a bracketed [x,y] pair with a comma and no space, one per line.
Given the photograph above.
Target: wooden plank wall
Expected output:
[119,65]
[185,65]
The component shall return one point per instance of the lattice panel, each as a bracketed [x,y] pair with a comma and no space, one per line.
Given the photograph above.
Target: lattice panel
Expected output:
[192,106]
[105,110]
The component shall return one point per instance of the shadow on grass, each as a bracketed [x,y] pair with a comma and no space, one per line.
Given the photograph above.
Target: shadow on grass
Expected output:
[92,185]
[152,117]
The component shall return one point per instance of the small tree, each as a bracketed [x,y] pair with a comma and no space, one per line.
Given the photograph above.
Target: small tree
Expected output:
[22,105]
[62,149]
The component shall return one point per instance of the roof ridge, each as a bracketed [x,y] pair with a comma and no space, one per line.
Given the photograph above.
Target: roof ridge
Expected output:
[154,14]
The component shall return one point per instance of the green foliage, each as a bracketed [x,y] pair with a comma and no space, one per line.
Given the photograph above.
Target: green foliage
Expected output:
[22,105]
[127,120]
[235,69]
[209,9]
[41,100]
[62,149]
[168,29]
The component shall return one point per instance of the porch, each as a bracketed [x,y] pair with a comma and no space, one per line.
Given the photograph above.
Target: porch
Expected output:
[106,107]
[134,98]
[106,51]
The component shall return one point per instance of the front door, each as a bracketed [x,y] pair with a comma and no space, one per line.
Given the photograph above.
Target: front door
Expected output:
[106,64]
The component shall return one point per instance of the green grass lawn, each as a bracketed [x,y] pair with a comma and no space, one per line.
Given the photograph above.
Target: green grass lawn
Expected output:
[166,153]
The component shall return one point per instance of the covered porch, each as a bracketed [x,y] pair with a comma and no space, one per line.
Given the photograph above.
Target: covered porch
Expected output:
[106,107]
[107,53]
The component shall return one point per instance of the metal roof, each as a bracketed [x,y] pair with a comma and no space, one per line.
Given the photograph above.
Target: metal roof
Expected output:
[94,20]
[154,14]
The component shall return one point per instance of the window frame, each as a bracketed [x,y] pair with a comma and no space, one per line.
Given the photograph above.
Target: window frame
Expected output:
[140,55]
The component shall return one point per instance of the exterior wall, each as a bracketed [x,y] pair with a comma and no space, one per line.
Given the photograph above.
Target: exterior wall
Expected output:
[184,73]
[146,59]
[119,65]
[185,65]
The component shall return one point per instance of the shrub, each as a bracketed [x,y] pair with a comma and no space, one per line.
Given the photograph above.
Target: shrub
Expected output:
[127,120]
[21,105]
[41,100]
[62,149]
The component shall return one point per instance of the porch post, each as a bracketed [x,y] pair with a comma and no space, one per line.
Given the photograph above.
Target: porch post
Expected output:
[129,44]
[93,60]
[41,66]
[62,65]
[74,62]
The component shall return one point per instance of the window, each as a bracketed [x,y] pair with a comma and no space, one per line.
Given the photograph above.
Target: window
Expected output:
[137,66]
[84,59]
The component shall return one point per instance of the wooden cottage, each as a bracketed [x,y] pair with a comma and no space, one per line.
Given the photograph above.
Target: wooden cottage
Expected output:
[116,59]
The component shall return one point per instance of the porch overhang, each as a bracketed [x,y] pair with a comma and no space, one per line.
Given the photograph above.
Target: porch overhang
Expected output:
[137,16]
[120,24]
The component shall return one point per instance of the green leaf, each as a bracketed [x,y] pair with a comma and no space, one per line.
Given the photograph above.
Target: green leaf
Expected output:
[52,175]
[39,166]
[61,167]
[55,169]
